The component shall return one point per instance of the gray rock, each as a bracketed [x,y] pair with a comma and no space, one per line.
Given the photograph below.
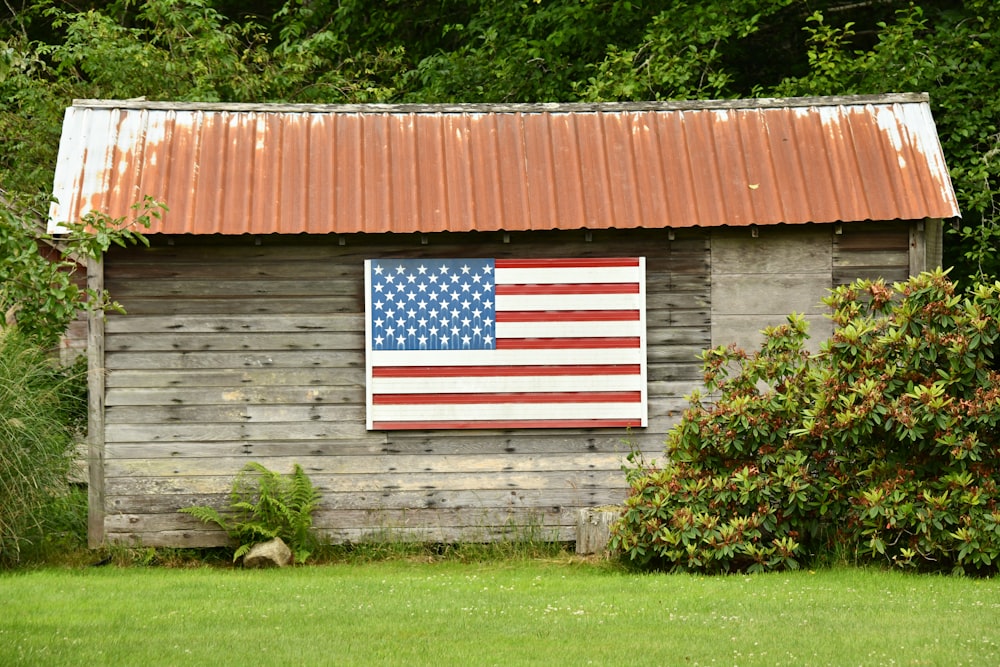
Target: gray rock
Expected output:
[274,553]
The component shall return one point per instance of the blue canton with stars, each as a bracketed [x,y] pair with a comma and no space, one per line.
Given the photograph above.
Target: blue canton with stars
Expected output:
[432,304]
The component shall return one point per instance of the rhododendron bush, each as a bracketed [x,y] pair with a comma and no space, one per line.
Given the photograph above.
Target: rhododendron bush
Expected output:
[882,447]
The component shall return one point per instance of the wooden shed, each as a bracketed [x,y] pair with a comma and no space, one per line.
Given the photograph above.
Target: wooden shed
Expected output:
[636,234]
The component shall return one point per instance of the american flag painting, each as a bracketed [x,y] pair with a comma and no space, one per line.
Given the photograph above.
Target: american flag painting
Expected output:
[505,343]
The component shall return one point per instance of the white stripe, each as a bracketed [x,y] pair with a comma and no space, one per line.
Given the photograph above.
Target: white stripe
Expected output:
[505,384]
[567,275]
[505,357]
[481,411]
[568,302]
[566,329]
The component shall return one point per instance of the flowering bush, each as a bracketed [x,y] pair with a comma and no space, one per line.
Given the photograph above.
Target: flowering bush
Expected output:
[884,445]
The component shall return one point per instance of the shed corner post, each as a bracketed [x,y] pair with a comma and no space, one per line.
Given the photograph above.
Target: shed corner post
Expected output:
[918,247]
[95,409]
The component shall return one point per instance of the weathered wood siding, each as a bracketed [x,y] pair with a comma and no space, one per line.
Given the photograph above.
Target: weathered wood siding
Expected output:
[757,280]
[234,352]
[760,275]
[873,250]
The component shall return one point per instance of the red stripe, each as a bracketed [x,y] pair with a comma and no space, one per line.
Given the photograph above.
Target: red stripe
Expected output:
[503,371]
[567,315]
[522,397]
[506,423]
[565,262]
[581,288]
[567,343]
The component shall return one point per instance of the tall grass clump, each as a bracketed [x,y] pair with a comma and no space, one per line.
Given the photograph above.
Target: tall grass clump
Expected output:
[41,411]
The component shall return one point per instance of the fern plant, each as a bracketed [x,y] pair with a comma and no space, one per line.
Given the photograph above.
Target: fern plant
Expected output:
[264,504]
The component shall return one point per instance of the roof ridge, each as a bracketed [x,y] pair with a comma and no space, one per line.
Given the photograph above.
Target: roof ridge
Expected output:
[544,107]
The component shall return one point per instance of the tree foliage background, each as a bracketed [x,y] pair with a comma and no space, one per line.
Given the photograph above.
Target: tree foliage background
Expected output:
[336,51]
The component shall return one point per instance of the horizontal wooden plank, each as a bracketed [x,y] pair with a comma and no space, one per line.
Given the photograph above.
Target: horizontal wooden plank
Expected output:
[220,482]
[231,395]
[234,360]
[873,236]
[888,258]
[371,518]
[890,274]
[390,500]
[132,323]
[205,538]
[126,289]
[234,413]
[167,342]
[348,465]
[212,267]
[244,305]
[317,430]
[237,379]
[540,441]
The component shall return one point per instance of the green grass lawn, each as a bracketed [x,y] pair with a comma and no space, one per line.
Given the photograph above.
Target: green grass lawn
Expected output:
[560,612]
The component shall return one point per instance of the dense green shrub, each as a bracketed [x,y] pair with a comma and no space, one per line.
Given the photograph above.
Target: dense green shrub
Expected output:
[264,504]
[884,445]
[41,414]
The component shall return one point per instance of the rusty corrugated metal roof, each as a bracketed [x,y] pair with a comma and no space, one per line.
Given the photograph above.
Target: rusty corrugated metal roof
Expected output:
[259,169]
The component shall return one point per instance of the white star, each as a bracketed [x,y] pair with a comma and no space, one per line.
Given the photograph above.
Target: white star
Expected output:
[455,331]
[422,322]
[465,268]
[379,322]
[477,330]
[379,340]
[411,313]
[422,269]
[379,287]
[422,304]
[411,278]
[400,269]
[412,331]
[476,278]
[466,340]
[433,331]
[487,339]
[400,321]
[488,321]
[423,341]
[378,270]
[432,278]
[444,269]
[465,287]
[466,304]
[444,342]
[454,278]
[487,269]
[389,278]
[466,321]
[411,296]
[401,340]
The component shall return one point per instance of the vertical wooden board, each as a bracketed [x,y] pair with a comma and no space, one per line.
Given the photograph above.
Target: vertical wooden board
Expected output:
[95,410]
